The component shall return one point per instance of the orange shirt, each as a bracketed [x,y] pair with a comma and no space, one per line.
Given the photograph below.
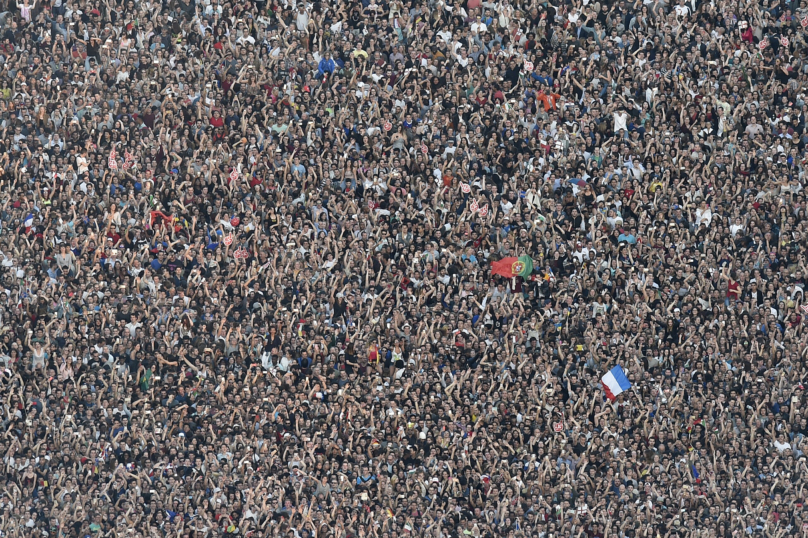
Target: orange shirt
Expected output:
[549,100]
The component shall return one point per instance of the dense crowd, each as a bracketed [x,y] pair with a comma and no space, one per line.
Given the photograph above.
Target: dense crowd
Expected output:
[246,279]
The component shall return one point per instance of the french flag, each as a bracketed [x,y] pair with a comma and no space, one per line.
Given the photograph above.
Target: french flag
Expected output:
[615,382]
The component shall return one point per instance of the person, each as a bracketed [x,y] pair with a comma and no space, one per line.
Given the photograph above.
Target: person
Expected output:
[327,65]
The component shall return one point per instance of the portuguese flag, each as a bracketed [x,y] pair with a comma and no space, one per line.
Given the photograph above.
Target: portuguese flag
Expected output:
[511,267]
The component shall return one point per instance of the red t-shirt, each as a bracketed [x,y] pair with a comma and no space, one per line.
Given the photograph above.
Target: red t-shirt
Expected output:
[733,290]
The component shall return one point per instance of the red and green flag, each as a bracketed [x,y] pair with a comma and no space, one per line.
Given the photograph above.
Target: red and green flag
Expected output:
[511,267]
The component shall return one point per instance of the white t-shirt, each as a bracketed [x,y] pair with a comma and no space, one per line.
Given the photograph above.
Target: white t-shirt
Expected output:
[81,164]
[283,364]
[682,11]
[584,254]
[620,121]
[302,20]
[781,446]
[705,216]
[133,326]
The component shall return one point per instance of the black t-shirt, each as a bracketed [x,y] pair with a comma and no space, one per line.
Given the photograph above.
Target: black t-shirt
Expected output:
[92,48]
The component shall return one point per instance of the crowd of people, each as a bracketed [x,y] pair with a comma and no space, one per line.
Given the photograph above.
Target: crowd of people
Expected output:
[246,279]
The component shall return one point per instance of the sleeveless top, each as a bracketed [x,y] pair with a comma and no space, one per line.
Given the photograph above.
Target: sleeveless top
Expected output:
[733,290]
